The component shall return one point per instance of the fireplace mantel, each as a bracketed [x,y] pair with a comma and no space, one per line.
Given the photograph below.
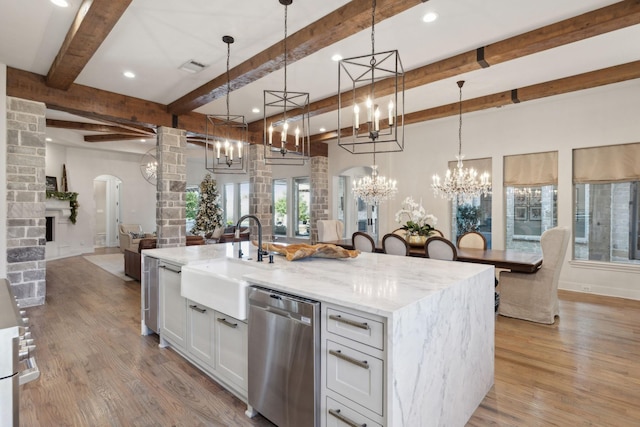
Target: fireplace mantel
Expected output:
[62,207]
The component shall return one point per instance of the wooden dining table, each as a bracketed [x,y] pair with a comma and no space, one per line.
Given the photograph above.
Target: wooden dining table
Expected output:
[520,262]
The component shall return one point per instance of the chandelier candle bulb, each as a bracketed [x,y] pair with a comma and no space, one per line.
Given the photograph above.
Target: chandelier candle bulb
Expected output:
[285,127]
[377,115]
[356,119]
[218,150]
[239,150]
[231,153]
[297,136]
[271,134]
[390,113]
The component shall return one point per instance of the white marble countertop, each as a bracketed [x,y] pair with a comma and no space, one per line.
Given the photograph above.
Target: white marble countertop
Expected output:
[376,283]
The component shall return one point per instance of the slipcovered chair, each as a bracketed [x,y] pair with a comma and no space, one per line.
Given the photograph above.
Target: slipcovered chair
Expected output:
[363,242]
[534,297]
[330,229]
[394,244]
[472,239]
[130,235]
[437,247]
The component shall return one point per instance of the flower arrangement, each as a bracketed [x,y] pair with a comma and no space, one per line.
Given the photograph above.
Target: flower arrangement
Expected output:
[419,223]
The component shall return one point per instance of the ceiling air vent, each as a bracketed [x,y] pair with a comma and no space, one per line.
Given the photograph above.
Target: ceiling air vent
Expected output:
[193,66]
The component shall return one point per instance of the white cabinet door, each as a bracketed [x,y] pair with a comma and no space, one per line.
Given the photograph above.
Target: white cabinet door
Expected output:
[173,307]
[231,349]
[200,332]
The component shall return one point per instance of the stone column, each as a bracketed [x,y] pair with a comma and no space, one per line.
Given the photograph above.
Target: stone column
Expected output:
[261,192]
[26,243]
[172,186]
[319,208]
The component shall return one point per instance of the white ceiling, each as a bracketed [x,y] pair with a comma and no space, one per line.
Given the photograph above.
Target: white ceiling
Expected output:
[155,37]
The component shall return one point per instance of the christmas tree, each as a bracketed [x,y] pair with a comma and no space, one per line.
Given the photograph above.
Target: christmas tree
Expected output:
[209,212]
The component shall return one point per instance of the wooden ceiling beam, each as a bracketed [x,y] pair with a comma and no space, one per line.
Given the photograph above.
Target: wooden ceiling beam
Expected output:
[343,22]
[96,127]
[112,137]
[600,21]
[610,75]
[93,23]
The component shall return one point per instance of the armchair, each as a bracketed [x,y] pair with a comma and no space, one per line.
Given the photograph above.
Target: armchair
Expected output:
[130,235]
[534,297]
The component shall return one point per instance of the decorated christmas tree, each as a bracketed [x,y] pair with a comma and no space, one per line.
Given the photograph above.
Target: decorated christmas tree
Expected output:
[209,212]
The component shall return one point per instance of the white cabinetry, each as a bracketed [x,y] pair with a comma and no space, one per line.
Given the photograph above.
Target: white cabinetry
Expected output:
[173,307]
[354,362]
[200,333]
[231,350]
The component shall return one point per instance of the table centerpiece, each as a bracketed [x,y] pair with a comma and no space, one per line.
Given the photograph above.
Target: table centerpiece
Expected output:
[419,225]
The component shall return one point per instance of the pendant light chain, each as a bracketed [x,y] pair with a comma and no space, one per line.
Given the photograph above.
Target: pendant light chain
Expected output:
[460,83]
[373,28]
[228,77]
[285,52]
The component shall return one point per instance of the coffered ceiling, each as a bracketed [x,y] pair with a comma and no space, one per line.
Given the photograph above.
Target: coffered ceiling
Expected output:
[537,49]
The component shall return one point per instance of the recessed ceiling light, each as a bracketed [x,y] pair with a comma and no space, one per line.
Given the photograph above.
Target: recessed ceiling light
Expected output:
[323,129]
[255,110]
[129,74]
[337,57]
[430,17]
[60,3]
[48,139]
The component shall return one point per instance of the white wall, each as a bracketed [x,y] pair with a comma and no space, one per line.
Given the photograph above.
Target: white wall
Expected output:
[600,116]
[3,170]
[83,166]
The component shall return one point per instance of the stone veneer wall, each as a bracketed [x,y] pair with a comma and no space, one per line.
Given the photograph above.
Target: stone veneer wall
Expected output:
[319,208]
[172,186]
[261,192]
[26,150]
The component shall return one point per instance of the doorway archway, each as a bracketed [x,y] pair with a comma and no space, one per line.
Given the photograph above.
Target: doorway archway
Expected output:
[106,196]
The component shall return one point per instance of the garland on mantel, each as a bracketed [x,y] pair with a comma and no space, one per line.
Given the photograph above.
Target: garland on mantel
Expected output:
[71,197]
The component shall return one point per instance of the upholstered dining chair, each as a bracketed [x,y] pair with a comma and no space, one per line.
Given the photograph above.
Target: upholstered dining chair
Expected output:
[472,239]
[395,245]
[534,297]
[438,233]
[437,247]
[330,229]
[363,242]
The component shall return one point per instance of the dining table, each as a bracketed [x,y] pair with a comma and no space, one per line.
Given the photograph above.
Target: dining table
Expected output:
[520,262]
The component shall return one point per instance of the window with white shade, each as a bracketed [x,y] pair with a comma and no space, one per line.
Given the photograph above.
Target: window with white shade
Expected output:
[606,205]
[530,183]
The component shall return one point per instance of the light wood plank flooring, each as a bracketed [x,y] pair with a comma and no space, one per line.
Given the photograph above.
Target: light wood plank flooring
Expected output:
[98,371]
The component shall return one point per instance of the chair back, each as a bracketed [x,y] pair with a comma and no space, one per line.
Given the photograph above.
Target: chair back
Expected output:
[473,240]
[395,245]
[435,232]
[330,229]
[554,244]
[437,247]
[130,228]
[363,242]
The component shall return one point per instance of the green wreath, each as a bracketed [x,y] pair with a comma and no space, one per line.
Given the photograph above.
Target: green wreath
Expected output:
[71,197]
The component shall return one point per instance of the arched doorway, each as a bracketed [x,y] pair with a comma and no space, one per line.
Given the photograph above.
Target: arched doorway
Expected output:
[106,196]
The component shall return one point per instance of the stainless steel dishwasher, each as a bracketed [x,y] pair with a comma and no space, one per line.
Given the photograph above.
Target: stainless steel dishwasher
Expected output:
[284,357]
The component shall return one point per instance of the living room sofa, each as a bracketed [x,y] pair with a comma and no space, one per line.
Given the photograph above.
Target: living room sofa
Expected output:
[132,259]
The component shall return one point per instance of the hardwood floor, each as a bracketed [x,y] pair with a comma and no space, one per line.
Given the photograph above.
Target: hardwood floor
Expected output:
[96,369]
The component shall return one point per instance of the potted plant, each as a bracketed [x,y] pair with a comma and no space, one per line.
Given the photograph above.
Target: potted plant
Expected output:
[419,224]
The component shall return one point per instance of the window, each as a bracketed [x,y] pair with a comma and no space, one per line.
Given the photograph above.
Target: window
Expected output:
[530,182]
[475,214]
[244,198]
[302,196]
[229,204]
[280,207]
[606,204]
[192,202]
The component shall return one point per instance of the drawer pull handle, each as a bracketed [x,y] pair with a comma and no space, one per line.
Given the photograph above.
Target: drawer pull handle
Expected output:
[339,318]
[336,413]
[198,309]
[170,269]
[337,353]
[226,322]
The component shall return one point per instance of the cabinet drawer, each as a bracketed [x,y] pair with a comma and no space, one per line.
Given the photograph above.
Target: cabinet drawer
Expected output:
[356,328]
[355,375]
[339,415]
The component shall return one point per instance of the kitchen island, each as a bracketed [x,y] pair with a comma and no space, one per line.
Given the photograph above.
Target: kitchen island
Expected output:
[430,322]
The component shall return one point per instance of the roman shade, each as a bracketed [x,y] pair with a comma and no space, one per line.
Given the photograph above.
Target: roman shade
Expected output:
[613,163]
[534,169]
